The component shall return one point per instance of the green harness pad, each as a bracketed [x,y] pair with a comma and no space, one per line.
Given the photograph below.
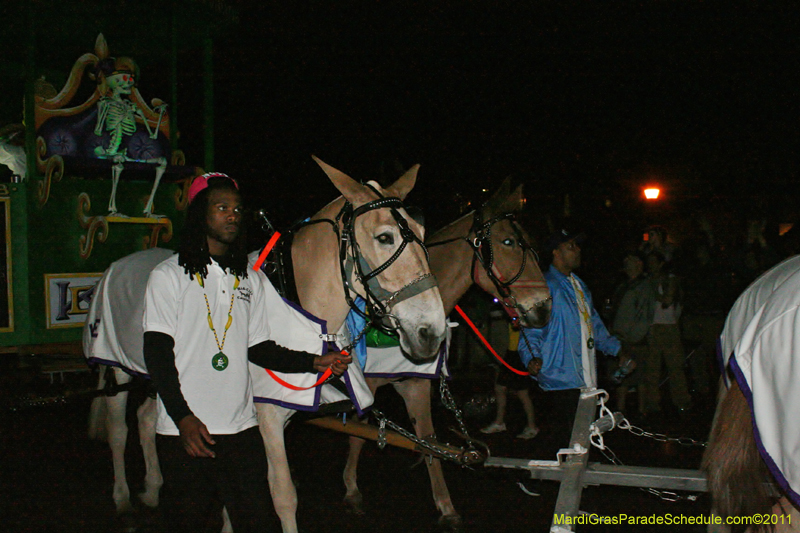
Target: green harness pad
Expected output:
[377,339]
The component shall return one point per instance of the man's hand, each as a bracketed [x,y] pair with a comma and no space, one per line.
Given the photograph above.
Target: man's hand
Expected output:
[336,361]
[535,366]
[194,435]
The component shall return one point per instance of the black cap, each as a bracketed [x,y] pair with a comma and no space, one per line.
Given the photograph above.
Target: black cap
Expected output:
[562,236]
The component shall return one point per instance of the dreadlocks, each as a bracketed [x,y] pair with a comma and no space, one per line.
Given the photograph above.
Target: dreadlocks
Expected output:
[193,253]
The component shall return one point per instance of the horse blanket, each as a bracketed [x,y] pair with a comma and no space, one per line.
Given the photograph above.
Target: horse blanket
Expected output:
[390,362]
[760,345]
[114,336]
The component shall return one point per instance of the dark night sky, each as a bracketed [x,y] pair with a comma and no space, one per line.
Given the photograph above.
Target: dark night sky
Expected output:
[567,97]
[583,98]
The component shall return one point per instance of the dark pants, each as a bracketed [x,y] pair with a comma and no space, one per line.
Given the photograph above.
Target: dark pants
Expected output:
[196,488]
[560,405]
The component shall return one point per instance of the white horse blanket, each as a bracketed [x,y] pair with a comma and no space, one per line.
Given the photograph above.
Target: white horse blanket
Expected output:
[760,345]
[390,361]
[114,336]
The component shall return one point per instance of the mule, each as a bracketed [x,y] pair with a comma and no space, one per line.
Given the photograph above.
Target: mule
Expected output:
[753,460]
[486,247]
[315,250]
[380,232]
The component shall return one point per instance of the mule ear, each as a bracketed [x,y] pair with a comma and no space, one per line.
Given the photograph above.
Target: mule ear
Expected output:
[514,202]
[404,183]
[498,199]
[354,192]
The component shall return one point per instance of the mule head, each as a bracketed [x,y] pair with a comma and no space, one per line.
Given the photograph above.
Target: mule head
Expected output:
[403,285]
[509,267]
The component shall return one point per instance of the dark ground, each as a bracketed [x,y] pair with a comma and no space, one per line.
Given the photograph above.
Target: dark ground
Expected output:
[52,478]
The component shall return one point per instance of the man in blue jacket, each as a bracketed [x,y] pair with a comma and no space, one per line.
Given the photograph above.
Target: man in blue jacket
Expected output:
[561,355]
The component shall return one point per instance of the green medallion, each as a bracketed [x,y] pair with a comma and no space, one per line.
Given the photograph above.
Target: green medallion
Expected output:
[219,361]
[589,343]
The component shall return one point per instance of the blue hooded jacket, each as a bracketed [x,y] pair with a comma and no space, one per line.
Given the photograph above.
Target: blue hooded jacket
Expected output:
[558,344]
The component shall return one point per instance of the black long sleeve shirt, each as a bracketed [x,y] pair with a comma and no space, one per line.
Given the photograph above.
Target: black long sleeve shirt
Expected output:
[159,356]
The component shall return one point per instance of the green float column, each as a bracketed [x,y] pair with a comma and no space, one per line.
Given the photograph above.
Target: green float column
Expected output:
[173,80]
[30,93]
[208,101]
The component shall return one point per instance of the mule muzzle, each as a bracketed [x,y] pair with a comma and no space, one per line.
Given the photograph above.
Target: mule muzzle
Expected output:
[537,316]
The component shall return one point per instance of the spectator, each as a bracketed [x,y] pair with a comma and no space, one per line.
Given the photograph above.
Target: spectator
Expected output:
[657,242]
[664,339]
[561,355]
[505,380]
[633,304]
[755,253]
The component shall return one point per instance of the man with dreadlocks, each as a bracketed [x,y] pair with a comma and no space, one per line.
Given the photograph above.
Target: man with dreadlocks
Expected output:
[205,317]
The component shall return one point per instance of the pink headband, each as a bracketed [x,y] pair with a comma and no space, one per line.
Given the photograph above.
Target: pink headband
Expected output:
[201,182]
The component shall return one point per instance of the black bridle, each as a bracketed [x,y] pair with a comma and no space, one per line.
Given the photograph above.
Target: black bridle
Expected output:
[483,253]
[379,301]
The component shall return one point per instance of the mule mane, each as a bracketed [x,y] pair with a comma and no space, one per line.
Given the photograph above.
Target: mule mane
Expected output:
[732,460]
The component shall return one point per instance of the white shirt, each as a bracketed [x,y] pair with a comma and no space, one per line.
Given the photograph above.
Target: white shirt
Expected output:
[175,305]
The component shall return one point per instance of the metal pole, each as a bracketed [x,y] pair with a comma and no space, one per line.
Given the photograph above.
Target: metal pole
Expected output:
[208,99]
[30,94]
[173,75]
[569,494]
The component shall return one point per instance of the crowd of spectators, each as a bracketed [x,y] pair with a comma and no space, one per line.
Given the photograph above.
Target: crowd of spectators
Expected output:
[670,297]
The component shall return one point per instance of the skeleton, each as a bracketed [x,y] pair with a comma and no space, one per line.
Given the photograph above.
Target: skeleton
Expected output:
[118,116]
[12,153]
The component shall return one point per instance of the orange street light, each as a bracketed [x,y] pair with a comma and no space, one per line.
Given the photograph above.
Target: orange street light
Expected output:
[651,193]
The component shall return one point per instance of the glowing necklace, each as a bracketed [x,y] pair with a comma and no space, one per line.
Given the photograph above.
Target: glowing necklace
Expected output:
[220,360]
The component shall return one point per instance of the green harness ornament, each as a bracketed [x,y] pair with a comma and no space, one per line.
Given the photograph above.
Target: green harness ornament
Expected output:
[378,339]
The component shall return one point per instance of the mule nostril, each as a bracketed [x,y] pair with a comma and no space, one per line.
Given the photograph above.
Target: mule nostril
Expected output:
[424,333]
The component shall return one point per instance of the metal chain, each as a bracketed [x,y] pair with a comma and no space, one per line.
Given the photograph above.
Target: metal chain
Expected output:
[664,495]
[422,443]
[450,404]
[660,437]
[358,338]
[382,434]
[390,300]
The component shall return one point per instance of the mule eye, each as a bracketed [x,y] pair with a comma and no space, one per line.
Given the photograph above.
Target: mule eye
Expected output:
[385,238]
[508,242]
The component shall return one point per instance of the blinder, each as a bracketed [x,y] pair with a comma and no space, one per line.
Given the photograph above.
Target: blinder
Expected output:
[379,301]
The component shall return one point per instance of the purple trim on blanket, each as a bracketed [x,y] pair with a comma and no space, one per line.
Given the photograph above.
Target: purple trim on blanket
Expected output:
[322,323]
[317,392]
[287,405]
[314,407]
[352,393]
[773,468]
[106,362]
[350,390]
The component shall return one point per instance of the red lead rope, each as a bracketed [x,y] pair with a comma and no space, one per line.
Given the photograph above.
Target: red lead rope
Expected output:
[267,250]
[257,266]
[486,343]
[288,385]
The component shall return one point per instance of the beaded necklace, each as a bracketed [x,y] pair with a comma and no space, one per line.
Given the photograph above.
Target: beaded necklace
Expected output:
[220,360]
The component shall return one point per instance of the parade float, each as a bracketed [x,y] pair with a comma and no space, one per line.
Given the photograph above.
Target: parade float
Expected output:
[94,171]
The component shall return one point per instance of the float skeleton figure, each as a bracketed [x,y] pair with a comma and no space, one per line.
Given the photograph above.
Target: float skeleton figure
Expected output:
[117,115]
